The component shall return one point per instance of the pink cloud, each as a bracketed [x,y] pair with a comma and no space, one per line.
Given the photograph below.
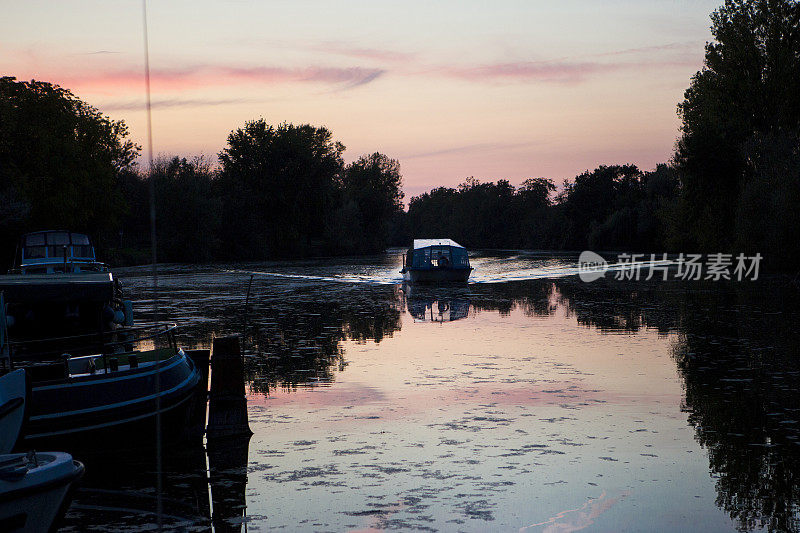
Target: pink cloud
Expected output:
[161,103]
[377,54]
[684,47]
[548,71]
[173,79]
[564,72]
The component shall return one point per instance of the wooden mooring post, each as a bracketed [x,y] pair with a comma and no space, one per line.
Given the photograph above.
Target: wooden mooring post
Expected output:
[227,406]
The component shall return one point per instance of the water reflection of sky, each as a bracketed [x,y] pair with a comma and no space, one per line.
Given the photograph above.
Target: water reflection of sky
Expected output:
[539,405]
[495,421]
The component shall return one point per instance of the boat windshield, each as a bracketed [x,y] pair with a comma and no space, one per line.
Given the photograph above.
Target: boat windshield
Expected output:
[55,244]
[439,256]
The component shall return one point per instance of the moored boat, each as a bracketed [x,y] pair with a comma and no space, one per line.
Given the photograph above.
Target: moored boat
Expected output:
[57,288]
[114,392]
[92,374]
[436,260]
[56,251]
[35,489]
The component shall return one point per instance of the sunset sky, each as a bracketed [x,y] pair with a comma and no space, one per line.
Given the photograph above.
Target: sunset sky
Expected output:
[452,89]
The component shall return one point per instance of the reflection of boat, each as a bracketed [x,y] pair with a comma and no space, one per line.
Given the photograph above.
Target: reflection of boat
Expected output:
[436,260]
[430,304]
[438,310]
[117,492]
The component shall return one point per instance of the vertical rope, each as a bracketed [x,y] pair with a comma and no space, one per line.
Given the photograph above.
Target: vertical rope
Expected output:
[152,191]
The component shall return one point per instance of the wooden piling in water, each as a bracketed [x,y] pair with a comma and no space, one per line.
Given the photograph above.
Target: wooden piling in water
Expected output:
[227,406]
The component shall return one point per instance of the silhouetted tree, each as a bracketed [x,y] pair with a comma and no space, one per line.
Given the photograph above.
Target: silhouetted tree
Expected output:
[277,185]
[599,207]
[187,213]
[374,185]
[535,215]
[747,90]
[59,161]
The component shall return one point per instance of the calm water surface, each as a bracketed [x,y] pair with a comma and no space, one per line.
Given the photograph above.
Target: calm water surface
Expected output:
[525,401]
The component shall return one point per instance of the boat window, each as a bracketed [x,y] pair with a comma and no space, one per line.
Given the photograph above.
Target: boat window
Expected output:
[79,238]
[58,238]
[34,252]
[57,250]
[35,239]
[81,250]
[419,258]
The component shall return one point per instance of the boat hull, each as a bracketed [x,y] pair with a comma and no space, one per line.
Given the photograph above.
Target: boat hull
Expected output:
[37,500]
[437,275]
[83,411]
[13,391]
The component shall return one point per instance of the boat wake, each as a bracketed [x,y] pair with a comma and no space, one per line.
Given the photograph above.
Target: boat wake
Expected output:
[487,270]
[344,278]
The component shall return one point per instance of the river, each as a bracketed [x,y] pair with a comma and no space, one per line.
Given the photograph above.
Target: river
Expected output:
[528,400]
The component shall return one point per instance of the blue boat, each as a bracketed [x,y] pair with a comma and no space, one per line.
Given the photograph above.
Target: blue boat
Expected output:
[93,375]
[436,261]
[57,288]
[84,399]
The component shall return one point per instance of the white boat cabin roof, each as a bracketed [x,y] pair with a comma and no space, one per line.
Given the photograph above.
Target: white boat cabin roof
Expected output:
[425,243]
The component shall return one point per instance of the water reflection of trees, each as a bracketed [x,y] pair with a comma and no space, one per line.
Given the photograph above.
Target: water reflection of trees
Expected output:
[296,338]
[738,356]
[737,353]
[295,331]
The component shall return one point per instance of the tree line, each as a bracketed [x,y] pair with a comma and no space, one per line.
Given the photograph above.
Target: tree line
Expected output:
[277,191]
[733,184]
[615,207]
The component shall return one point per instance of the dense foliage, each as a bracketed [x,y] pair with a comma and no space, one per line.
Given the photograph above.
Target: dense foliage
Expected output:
[738,155]
[279,190]
[59,162]
[611,208]
[287,192]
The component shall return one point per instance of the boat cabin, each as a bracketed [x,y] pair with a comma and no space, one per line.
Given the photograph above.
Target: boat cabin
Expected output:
[58,289]
[436,260]
[437,253]
[50,252]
